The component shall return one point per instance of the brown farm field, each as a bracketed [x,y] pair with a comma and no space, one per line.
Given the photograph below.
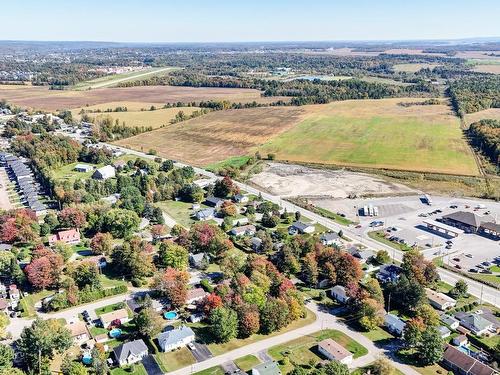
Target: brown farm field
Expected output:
[39,97]
[218,135]
[487,68]
[492,113]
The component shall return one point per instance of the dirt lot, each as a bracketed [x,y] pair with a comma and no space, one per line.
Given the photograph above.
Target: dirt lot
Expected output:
[218,135]
[289,180]
[42,98]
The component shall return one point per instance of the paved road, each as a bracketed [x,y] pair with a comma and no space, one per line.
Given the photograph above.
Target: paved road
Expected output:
[324,320]
[132,77]
[477,289]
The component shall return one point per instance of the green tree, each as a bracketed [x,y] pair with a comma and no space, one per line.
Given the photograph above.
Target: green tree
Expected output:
[382,257]
[131,259]
[4,322]
[42,340]
[371,314]
[63,249]
[374,290]
[87,275]
[431,347]
[274,315]
[335,368]
[120,222]
[429,316]
[223,324]
[99,363]
[173,255]
[459,290]
[148,322]
[382,366]
[6,357]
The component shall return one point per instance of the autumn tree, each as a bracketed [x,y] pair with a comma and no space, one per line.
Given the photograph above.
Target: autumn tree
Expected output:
[132,259]
[45,268]
[274,315]
[102,243]
[173,255]
[416,267]
[86,274]
[71,217]
[228,208]
[310,270]
[382,257]
[225,187]
[371,314]
[173,284]
[208,238]
[211,302]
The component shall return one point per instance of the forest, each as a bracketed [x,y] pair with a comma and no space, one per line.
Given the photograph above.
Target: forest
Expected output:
[474,94]
[485,135]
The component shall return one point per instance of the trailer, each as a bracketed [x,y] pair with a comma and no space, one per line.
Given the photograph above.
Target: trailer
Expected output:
[427,199]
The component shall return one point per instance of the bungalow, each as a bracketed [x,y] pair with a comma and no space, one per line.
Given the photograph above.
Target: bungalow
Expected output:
[389,273]
[329,239]
[394,324]
[130,352]
[439,300]
[266,368]
[199,260]
[70,236]
[205,214]
[256,243]
[362,256]
[449,321]
[245,230]
[14,293]
[79,332]
[104,173]
[462,363]
[300,227]
[175,338]
[240,198]
[334,351]
[83,168]
[196,318]
[476,324]
[240,221]
[195,295]
[338,292]
[460,340]
[120,315]
[214,202]
[444,331]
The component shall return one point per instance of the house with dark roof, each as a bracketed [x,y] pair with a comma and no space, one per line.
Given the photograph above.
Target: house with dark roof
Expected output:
[301,227]
[329,239]
[468,221]
[130,352]
[214,202]
[205,214]
[389,273]
[476,324]
[462,363]
[199,260]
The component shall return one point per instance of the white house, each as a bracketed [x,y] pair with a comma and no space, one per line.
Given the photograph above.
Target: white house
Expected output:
[175,338]
[266,368]
[83,168]
[240,198]
[334,351]
[245,230]
[205,214]
[394,324]
[476,324]
[120,315]
[444,331]
[439,300]
[338,292]
[79,332]
[300,227]
[130,352]
[329,239]
[104,173]
[449,321]
[195,295]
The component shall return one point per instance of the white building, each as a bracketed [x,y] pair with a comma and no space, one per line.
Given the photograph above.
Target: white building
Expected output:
[339,293]
[439,300]
[334,351]
[104,173]
[175,338]
[130,352]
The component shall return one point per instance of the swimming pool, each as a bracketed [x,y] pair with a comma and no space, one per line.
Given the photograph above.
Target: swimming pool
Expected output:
[87,359]
[170,315]
[115,332]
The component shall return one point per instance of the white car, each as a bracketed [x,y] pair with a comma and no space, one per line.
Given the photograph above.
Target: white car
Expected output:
[191,346]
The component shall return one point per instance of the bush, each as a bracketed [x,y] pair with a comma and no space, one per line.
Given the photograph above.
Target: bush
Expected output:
[84,296]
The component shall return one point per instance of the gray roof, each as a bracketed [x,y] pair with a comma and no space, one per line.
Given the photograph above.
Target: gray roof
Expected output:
[443,330]
[205,213]
[174,336]
[447,319]
[214,200]
[268,368]
[468,218]
[195,258]
[123,351]
[329,236]
[300,225]
[476,321]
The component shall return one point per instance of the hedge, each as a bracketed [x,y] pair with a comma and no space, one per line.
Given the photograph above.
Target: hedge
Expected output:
[60,301]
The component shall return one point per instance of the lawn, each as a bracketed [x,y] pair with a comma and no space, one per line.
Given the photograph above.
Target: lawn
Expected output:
[378,235]
[216,370]
[109,308]
[247,362]
[378,334]
[495,269]
[67,172]
[413,67]
[303,350]
[233,162]
[29,301]
[333,216]
[179,211]
[378,134]
[137,369]
[176,359]
[203,334]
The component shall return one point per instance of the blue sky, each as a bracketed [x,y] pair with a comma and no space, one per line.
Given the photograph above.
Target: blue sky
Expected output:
[257,20]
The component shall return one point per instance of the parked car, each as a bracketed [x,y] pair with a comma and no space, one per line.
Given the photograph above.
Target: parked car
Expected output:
[469,255]
[473,270]
[191,346]
[458,266]
[453,206]
[456,259]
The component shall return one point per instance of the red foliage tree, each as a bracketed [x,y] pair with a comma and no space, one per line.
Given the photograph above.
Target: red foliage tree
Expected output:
[45,268]
[173,284]
[71,217]
[249,322]
[211,302]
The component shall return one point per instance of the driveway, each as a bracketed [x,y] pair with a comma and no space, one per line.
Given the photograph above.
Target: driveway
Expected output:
[230,367]
[151,365]
[201,352]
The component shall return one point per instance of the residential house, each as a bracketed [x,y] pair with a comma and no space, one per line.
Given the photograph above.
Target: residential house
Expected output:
[119,164]
[256,243]
[339,293]
[214,202]
[104,173]
[334,351]
[361,255]
[449,321]
[460,340]
[240,198]
[330,239]
[120,315]
[240,221]
[439,300]
[245,230]
[195,295]
[200,260]
[111,199]
[3,290]
[300,227]
[476,324]
[205,214]
[394,324]
[463,364]
[130,352]
[83,168]
[5,247]
[196,318]
[266,368]
[79,332]
[444,331]
[14,295]
[70,237]
[389,273]
[175,338]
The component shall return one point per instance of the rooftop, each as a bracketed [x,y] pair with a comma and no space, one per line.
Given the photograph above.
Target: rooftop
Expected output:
[337,351]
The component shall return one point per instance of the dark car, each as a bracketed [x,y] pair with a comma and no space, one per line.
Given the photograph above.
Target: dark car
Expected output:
[473,270]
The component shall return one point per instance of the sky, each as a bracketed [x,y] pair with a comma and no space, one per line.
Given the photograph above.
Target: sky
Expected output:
[256,20]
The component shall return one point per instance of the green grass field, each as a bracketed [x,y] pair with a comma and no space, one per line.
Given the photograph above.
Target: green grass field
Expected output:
[68,173]
[247,362]
[176,359]
[378,134]
[137,369]
[179,211]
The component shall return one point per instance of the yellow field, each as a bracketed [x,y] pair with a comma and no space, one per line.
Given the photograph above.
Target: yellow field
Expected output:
[140,118]
[413,68]
[487,68]
[492,113]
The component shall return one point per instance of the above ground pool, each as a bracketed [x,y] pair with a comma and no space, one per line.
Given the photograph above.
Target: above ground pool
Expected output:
[170,315]
[115,332]
[87,359]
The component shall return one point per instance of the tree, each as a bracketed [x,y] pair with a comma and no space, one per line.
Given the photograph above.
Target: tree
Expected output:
[223,324]
[269,220]
[371,315]
[6,357]
[228,208]
[429,316]
[382,366]
[310,270]
[173,284]
[131,259]
[71,217]
[74,368]
[120,222]
[274,315]
[408,294]
[373,288]
[431,348]
[102,243]
[232,261]
[225,187]
[99,360]
[63,249]
[413,332]
[148,322]
[158,230]
[167,166]
[211,302]
[87,275]
[4,322]
[208,238]
[459,290]
[43,339]
[416,267]
[382,257]
[335,368]
[172,255]
[45,269]
[249,321]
